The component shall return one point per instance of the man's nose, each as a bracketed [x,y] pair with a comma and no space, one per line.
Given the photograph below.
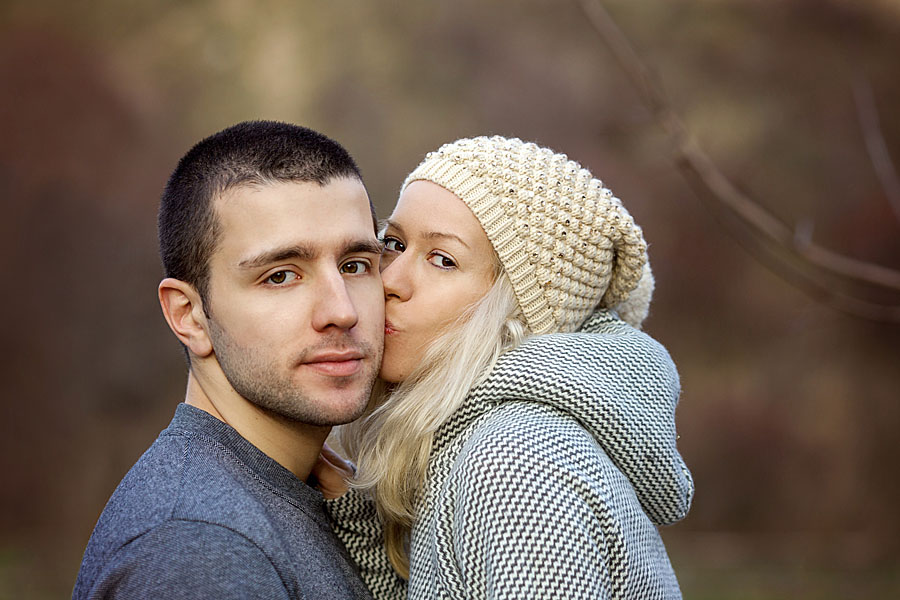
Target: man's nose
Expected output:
[333,305]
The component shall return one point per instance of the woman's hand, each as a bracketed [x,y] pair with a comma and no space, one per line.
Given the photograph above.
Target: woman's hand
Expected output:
[331,473]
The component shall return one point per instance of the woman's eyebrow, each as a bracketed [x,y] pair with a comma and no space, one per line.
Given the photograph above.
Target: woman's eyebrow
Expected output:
[428,235]
[392,224]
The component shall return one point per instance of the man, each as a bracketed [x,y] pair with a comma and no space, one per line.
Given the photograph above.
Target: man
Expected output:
[272,286]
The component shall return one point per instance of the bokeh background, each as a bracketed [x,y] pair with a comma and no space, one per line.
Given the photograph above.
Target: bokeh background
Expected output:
[790,411]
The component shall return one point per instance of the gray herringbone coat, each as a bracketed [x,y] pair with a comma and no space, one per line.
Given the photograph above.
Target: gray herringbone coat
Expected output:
[549,481]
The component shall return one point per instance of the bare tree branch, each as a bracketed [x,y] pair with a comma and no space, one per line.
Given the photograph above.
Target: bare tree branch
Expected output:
[875,144]
[783,264]
[696,165]
[693,158]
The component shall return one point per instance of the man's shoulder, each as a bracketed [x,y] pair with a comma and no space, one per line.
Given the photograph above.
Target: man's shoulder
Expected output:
[191,507]
[184,559]
[178,486]
[182,476]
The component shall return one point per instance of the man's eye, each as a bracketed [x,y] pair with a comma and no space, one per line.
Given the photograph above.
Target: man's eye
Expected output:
[393,245]
[281,277]
[355,267]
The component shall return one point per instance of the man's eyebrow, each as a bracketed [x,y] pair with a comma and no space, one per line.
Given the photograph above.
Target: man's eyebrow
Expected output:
[262,259]
[428,235]
[308,253]
[371,246]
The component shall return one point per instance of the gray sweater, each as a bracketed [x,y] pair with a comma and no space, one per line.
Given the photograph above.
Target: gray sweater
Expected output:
[205,514]
[549,481]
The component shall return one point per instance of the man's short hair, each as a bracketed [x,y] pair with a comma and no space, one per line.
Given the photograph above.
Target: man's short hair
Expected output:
[249,153]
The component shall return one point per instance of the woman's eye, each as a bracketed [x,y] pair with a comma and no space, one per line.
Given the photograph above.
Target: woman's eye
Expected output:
[393,245]
[355,267]
[441,261]
[281,277]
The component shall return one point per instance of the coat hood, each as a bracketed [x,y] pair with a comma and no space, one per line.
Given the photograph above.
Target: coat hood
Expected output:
[622,387]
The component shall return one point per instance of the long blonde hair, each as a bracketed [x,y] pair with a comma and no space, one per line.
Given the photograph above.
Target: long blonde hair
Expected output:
[392,441]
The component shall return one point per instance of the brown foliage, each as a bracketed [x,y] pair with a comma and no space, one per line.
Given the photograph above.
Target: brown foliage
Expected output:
[789,410]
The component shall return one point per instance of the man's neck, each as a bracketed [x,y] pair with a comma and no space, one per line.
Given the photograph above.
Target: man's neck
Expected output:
[295,446]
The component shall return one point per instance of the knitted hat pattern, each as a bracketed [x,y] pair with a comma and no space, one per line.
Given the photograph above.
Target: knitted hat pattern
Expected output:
[565,242]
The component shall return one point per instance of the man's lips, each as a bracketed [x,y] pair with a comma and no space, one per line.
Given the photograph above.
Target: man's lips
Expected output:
[335,364]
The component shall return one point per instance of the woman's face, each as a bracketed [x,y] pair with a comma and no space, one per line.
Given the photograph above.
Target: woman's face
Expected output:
[437,262]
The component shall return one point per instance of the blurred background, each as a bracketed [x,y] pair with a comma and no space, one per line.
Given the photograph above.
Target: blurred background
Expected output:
[790,410]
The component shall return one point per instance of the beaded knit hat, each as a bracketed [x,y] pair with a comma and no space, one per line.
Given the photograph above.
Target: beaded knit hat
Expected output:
[566,243]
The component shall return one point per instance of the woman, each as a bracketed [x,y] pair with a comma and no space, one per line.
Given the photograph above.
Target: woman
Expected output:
[522,444]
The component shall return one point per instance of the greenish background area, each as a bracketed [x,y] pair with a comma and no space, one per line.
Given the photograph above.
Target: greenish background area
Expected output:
[790,411]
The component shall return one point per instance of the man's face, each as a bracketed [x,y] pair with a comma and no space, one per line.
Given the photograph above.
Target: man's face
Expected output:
[296,306]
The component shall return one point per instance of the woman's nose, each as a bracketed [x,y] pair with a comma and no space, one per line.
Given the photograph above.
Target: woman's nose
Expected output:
[396,278]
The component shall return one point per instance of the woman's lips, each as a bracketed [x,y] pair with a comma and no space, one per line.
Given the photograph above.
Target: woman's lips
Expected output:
[389,328]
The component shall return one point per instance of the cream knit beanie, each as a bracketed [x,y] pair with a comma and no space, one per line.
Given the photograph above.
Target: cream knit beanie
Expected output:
[566,243]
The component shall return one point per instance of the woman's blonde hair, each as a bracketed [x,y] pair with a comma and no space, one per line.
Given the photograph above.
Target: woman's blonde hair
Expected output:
[391,442]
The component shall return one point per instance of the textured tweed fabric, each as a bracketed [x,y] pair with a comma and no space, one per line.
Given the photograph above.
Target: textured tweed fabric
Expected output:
[549,482]
[565,241]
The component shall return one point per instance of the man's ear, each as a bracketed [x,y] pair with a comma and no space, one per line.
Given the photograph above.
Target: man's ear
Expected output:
[183,309]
